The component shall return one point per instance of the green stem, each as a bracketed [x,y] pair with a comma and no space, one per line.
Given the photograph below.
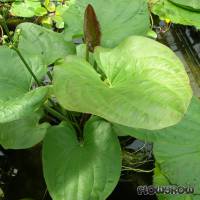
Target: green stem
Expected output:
[18,52]
[27,65]
[58,108]
[56,114]
[87,54]
[60,116]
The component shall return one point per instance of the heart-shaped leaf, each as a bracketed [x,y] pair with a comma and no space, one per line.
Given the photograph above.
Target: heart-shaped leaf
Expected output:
[43,43]
[168,10]
[16,99]
[146,85]
[118,19]
[87,170]
[22,133]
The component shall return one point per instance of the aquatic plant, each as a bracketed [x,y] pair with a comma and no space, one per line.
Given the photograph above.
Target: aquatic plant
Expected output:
[117,82]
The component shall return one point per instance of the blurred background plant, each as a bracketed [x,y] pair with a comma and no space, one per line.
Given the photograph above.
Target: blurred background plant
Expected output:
[48,13]
[1,194]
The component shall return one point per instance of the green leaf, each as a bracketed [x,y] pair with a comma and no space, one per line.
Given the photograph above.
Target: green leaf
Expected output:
[43,43]
[118,19]
[22,105]
[161,180]
[168,10]
[192,4]
[167,133]
[14,73]
[59,22]
[40,11]
[16,99]
[146,85]
[47,22]
[87,170]
[27,8]
[60,9]
[22,133]
[51,7]
[177,150]
[58,19]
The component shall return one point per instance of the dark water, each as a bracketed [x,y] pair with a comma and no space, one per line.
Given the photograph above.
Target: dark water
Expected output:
[21,174]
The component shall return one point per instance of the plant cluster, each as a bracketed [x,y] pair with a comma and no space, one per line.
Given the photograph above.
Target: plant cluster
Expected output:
[47,13]
[116,81]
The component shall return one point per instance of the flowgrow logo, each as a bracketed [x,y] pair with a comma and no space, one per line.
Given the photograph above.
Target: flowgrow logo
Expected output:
[170,189]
